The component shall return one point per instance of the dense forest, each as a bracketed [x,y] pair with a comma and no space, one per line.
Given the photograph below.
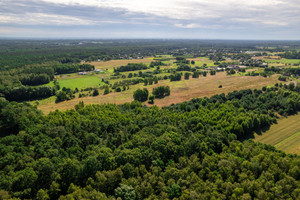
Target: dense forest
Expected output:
[191,150]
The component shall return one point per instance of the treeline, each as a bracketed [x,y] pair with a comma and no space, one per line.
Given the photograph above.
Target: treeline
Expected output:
[156,64]
[268,71]
[291,55]
[185,151]
[131,67]
[40,74]
[35,79]
[16,84]
[25,93]
[72,68]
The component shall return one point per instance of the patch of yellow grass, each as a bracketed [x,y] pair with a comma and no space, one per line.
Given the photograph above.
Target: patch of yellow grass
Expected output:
[285,135]
[117,63]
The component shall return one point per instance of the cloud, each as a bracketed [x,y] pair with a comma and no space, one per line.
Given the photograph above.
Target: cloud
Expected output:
[43,18]
[259,17]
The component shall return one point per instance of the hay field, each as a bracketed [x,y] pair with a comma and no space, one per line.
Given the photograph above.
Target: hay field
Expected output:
[284,136]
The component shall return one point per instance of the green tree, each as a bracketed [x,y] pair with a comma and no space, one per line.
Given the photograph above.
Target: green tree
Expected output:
[187,76]
[95,92]
[106,91]
[151,99]
[141,95]
[42,195]
[125,192]
[161,91]
[174,191]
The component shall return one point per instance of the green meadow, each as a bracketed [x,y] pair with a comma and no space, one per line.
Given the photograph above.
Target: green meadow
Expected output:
[79,82]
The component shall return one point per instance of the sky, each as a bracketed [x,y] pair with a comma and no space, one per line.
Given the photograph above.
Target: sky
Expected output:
[168,19]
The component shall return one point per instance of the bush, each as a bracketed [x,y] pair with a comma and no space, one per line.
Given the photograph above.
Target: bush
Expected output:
[161,91]
[175,77]
[118,89]
[212,72]
[282,78]
[141,95]
[106,91]
[96,92]
[64,95]
[195,74]
[186,76]
[151,99]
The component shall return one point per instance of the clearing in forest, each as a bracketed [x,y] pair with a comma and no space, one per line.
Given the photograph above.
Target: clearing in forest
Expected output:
[284,136]
[183,90]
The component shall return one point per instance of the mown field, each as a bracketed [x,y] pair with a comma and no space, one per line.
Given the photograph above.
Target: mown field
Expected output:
[78,81]
[284,136]
[282,62]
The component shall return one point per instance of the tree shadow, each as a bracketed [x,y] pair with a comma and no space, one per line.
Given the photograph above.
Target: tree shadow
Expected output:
[259,131]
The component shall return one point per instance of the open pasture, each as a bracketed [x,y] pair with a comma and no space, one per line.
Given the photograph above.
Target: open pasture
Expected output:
[79,81]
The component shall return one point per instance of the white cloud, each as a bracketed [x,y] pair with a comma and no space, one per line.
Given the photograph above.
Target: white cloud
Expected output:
[187,25]
[196,9]
[43,19]
[260,16]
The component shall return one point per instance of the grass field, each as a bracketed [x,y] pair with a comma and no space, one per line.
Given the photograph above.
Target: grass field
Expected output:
[283,61]
[284,136]
[184,90]
[201,61]
[78,81]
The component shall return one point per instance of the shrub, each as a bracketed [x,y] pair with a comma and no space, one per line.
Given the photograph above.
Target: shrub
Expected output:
[95,92]
[161,91]
[141,95]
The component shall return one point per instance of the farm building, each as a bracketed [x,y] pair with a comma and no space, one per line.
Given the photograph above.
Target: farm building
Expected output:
[98,70]
[82,73]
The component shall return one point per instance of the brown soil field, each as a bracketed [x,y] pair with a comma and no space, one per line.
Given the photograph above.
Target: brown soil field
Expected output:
[184,90]
[117,63]
[197,59]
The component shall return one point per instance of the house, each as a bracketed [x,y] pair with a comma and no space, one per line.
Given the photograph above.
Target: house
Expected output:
[210,68]
[242,67]
[98,70]
[264,65]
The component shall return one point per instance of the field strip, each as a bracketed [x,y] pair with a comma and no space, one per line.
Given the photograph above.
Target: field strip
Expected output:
[287,139]
[291,146]
[284,136]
